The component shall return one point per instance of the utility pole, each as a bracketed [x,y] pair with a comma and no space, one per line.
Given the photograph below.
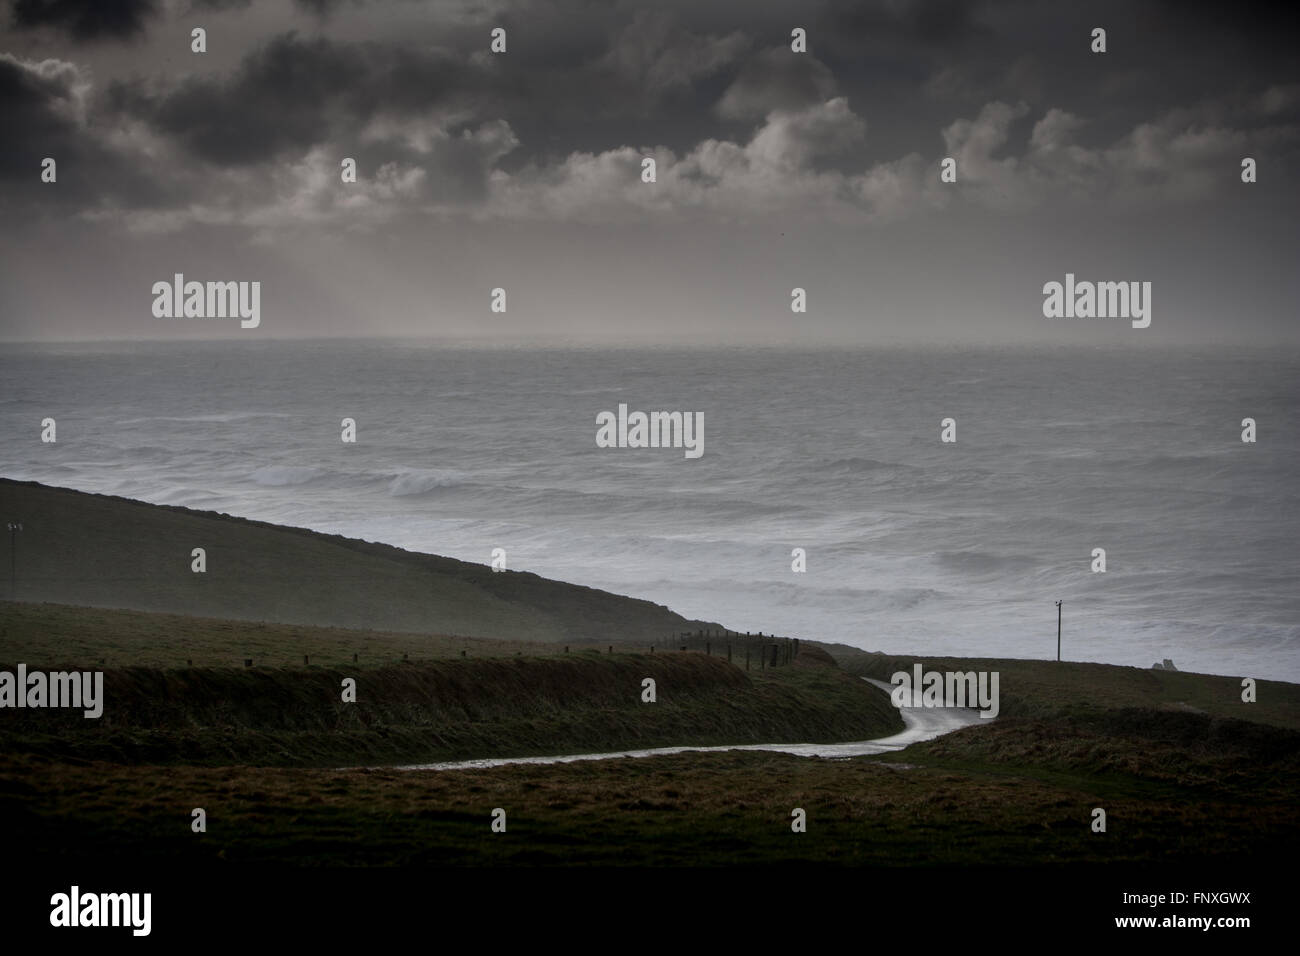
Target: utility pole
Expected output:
[1058,631]
[14,528]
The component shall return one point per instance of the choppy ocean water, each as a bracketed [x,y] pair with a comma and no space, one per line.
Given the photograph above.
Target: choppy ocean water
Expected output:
[912,545]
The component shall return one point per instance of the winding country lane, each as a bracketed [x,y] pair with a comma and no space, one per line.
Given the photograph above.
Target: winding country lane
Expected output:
[922,723]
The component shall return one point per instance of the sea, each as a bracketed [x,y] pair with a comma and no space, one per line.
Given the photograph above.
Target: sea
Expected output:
[910,544]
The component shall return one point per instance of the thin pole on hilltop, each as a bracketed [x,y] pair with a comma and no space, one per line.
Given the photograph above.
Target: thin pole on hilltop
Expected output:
[1058,630]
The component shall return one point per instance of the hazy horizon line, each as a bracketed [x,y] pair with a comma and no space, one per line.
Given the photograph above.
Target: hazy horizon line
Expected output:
[572,343]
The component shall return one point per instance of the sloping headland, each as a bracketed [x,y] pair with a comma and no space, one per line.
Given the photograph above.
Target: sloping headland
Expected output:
[103,551]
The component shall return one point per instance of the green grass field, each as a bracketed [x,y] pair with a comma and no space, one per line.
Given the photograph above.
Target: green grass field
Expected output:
[436,705]
[1176,783]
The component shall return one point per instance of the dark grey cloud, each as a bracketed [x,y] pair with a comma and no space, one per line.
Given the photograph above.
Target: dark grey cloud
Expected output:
[293,93]
[47,110]
[85,19]
[582,91]
[323,8]
[560,122]
[39,104]
[938,26]
[284,97]
[776,79]
[108,163]
[1266,27]
[753,143]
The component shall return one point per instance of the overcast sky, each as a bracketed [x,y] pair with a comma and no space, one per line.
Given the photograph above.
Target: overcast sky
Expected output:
[775,169]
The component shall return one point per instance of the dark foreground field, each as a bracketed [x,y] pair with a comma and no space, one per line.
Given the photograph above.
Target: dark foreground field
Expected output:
[1183,769]
[934,805]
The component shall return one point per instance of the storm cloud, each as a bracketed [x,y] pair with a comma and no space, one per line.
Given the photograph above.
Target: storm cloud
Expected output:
[243,144]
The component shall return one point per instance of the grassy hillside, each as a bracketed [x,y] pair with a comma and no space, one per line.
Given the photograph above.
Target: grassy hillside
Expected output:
[102,551]
[51,635]
[54,634]
[1179,787]
[1048,689]
[540,701]
[1183,767]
